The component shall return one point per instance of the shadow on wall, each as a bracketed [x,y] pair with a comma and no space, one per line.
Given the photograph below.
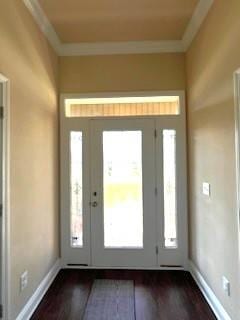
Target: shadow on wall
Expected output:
[213,81]
[25,48]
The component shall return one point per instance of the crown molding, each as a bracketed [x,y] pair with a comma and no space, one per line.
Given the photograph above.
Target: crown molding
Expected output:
[196,21]
[43,23]
[128,47]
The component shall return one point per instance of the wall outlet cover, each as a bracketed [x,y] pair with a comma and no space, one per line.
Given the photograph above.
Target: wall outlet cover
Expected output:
[23,280]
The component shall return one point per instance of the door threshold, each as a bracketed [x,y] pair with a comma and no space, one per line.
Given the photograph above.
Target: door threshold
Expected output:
[86,267]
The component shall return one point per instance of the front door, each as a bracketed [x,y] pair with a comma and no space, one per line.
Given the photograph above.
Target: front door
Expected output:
[123,219]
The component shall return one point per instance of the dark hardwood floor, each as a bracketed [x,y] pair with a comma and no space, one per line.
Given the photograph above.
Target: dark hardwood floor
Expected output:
[159,295]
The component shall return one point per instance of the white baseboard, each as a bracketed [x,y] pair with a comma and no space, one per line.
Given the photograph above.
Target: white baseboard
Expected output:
[36,298]
[209,295]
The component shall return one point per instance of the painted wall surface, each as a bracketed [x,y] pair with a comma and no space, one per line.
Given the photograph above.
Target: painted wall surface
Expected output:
[30,64]
[211,61]
[122,73]
[32,67]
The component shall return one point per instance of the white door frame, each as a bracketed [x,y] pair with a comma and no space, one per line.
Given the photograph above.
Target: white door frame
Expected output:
[6,199]
[237,146]
[65,121]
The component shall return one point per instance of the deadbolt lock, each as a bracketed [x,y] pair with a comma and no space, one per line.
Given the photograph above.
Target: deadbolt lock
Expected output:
[94,204]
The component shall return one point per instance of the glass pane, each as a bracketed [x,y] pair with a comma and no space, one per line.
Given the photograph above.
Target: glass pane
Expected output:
[76,188]
[122,189]
[169,174]
[117,107]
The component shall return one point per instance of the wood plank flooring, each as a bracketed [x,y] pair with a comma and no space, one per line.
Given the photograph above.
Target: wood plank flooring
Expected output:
[159,295]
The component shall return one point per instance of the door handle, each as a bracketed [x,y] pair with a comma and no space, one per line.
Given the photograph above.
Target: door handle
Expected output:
[94,204]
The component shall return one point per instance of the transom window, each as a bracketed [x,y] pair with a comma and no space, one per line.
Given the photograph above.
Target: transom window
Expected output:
[125,106]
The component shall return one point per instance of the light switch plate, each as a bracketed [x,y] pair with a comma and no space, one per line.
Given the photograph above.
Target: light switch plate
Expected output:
[206,189]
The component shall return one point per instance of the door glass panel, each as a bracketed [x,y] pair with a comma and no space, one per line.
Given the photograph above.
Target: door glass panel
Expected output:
[122,189]
[76,188]
[169,174]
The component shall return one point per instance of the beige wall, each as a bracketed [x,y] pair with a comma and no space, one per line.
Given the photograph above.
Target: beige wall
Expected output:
[122,73]
[30,64]
[211,61]
[28,61]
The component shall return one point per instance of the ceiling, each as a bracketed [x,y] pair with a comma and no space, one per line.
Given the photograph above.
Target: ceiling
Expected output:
[106,27]
[94,21]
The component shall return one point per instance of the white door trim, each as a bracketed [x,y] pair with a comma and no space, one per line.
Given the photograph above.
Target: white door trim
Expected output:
[6,198]
[237,146]
[69,122]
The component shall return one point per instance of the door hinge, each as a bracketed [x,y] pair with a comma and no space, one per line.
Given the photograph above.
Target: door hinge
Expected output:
[1,112]
[1,210]
[156,249]
[1,311]
[156,191]
[155,133]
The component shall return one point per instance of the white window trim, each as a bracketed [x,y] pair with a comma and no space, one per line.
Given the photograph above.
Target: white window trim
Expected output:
[168,93]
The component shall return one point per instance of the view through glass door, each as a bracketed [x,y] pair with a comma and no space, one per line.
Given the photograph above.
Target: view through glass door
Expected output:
[123,186]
